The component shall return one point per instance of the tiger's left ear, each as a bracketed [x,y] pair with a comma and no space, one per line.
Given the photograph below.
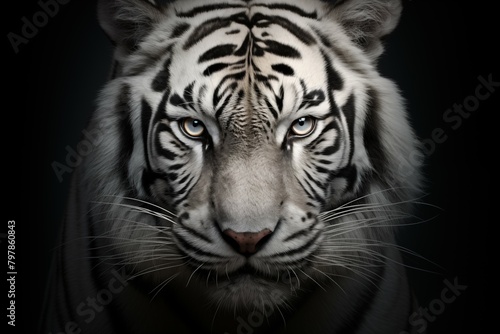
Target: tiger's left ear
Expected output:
[127,22]
[367,21]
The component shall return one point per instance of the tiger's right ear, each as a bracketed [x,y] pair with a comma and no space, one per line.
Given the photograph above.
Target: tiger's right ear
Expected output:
[127,22]
[366,22]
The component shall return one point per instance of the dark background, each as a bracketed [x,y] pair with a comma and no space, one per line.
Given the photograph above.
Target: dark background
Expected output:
[435,55]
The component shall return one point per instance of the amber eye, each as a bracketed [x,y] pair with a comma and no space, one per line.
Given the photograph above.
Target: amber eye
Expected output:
[303,126]
[192,127]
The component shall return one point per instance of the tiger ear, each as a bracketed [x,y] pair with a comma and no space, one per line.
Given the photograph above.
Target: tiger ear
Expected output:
[367,21]
[127,22]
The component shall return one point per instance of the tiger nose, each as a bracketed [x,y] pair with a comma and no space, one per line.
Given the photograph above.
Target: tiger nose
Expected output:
[247,243]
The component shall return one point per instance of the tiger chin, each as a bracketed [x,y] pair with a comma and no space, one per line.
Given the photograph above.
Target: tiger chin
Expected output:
[251,172]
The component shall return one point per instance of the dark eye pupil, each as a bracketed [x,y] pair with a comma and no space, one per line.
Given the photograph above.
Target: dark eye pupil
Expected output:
[301,121]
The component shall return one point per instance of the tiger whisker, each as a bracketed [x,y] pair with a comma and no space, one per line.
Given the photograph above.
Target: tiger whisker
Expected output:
[216,311]
[162,285]
[349,204]
[362,272]
[156,269]
[189,280]
[331,279]
[143,202]
[140,210]
[386,209]
[312,279]
[396,246]
[362,249]
[377,193]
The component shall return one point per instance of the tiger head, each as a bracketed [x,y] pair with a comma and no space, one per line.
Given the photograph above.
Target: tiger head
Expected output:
[251,149]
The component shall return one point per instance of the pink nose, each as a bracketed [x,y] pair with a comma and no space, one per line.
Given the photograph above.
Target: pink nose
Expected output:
[247,243]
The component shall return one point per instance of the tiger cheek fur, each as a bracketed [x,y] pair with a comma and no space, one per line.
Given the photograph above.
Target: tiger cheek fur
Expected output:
[252,156]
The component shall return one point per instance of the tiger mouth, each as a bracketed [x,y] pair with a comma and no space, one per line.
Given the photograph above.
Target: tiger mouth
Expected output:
[244,273]
[247,270]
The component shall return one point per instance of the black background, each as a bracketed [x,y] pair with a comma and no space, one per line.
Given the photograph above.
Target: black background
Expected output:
[435,55]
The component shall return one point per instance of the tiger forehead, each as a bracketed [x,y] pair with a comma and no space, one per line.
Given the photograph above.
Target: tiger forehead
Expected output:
[251,63]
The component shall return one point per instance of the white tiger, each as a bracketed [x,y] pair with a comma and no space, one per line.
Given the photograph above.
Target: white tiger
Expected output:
[253,167]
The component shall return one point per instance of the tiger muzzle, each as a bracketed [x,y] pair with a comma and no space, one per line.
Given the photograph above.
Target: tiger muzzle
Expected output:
[247,243]
[248,196]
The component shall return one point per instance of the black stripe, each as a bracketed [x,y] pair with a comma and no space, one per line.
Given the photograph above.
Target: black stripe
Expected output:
[316,197]
[187,94]
[187,188]
[116,69]
[125,130]
[290,8]
[237,76]
[241,96]
[219,110]
[176,100]
[279,99]
[364,304]
[313,180]
[172,176]
[217,95]
[161,112]
[218,51]
[215,68]
[309,195]
[160,82]
[350,174]
[165,152]
[349,112]
[335,82]
[206,28]
[371,135]
[179,30]
[187,246]
[278,49]
[324,161]
[176,166]
[207,8]
[271,108]
[243,50]
[177,144]
[322,170]
[312,98]
[302,248]
[293,28]
[296,235]
[146,113]
[162,127]
[326,42]
[196,234]
[331,125]
[147,179]
[283,69]
[302,233]
[331,149]
[184,179]
[180,200]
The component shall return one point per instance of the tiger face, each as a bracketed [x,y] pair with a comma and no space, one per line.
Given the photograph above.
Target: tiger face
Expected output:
[260,152]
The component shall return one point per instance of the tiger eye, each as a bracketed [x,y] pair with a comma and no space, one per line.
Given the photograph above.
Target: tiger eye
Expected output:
[192,127]
[303,126]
